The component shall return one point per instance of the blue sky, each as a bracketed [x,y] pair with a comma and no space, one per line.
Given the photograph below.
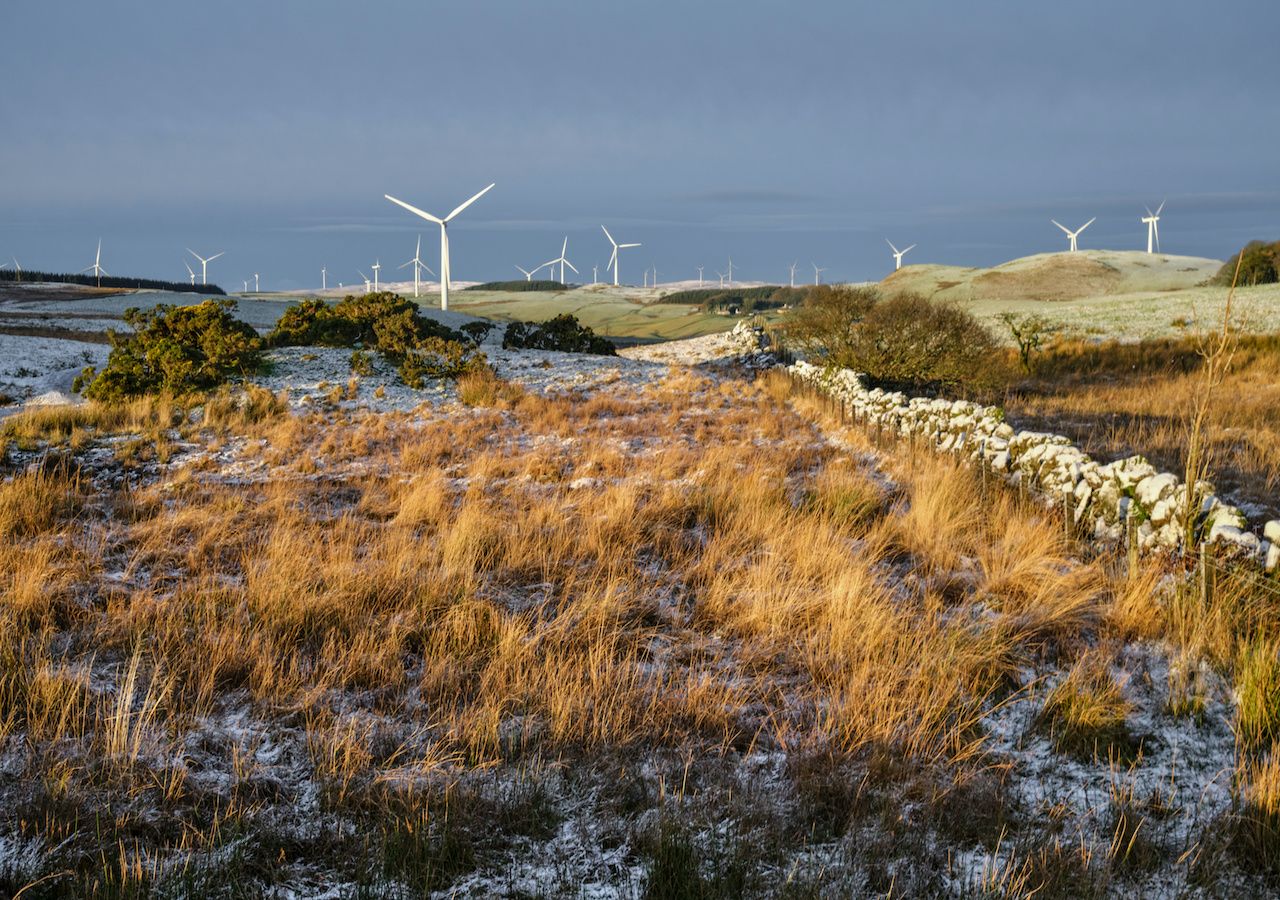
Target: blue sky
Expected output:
[769,131]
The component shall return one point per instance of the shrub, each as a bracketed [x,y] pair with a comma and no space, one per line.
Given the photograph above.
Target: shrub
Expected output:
[1029,333]
[563,333]
[419,347]
[1259,264]
[825,324]
[175,349]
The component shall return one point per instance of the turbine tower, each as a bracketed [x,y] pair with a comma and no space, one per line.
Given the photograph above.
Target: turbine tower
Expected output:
[793,273]
[613,260]
[376,266]
[730,271]
[700,268]
[1072,235]
[897,254]
[418,266]
[367,282]
[817,273]
[204,263]
[1152,221]
[445,271]
[720,275]
[190,271]
[245,282]
[528,276]
[324,278]
[96,268]
[256,290]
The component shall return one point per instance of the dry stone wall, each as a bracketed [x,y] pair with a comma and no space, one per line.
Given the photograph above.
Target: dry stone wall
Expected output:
[1108,500]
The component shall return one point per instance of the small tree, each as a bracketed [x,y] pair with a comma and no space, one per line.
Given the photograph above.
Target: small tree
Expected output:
[1030,334]
[826,323]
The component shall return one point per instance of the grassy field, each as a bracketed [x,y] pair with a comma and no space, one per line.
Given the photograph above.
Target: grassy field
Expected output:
[682,639]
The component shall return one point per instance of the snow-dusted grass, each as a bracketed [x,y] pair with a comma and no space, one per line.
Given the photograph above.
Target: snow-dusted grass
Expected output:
[613,627]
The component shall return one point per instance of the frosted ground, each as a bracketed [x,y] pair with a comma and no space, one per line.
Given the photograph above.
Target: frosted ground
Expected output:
[1182,780]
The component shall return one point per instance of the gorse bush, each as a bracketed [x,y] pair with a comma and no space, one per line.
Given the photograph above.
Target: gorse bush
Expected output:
[563,333]
[749,299]
[1259,263]
[175,349]
[902,341]
[419,347]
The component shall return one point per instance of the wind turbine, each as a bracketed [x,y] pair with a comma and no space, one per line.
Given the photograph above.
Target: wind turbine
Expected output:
[1071,235]
[897,254]
[96,268]
[595,274]
[245,282]
[376,266]
[445,271]
[730,271]
[613,260]
[817,273]
[190,271]
[255,283]
[562,261]
[700,268]
[418,266]
[793,273]
[721,276]
[204,263]
[324,278]
[528,276]
[1152,221]
[366,281]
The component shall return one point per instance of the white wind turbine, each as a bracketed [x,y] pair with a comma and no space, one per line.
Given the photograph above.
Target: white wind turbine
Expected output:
[376,266]
[245,282]
[190,271]
[897,254]
[817,273]
[1072,235]
[418,266]
[720,275]
[613,260]
[1152,221]
[367,282]
[96,268]
[255,283]
[595,274]
[204,263]
[700,268]
[561,260]
[793,273]
[528,276]
[445,271]
[730,271]
[324,278]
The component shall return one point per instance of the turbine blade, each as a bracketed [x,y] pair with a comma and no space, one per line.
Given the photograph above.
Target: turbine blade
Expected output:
[1060,225]
[215,256]
[468,203]
[891,247]
[570,265]
[609,236]
[409,263]
[1161,206]
[909,249]
[620,246]
[1087,224]
[414,210]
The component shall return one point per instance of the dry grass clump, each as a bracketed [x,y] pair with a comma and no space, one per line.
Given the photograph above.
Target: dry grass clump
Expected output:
[1086,713]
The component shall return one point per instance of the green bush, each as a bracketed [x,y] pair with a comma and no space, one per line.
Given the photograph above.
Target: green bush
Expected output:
[748,299]
[903,341]
[519,286]
[1259,264]
[175,349]
[563,333]
[419,347]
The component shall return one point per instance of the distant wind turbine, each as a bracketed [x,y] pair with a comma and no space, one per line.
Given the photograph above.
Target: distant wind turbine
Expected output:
[204,263]
[1152,221]
[730,271]
[528,276]
[445,271]
[1072,235]
[255,283]
[245,282]
[366,281]
[700,268]
[96,268]
[721,275]
[376,266]
[897,254]
[793,273]
[562,261]
[613,260]
[190,271]
[324,278]
[817,273]
[418,266]
[595,274]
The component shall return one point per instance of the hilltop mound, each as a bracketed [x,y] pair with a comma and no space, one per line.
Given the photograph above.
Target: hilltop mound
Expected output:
[1057,276]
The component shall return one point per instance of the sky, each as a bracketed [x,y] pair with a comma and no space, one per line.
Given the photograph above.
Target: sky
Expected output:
[771,132]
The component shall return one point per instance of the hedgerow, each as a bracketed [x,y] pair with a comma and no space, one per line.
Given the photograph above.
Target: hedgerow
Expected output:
[563,333]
